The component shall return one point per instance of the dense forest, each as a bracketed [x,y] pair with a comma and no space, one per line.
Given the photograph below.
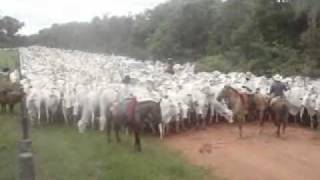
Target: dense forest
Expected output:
[262,36]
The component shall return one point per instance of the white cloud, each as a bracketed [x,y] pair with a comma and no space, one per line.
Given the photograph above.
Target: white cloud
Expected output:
[38,14]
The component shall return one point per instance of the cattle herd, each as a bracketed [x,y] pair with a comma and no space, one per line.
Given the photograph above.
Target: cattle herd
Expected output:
[86,90]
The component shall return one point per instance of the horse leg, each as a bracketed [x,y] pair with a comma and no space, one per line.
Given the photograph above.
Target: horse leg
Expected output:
[311,122]
[197,121]
[109,128]
[295,120]
[51,116]
[11,106]
[166,130]
[117,130]
[278,124]
[167,127]
[284,125]
[127,131]
[278,129]
[188,120]
[150,124]
[152,128]
[240,122]
[240,129]
[3,107]
[183,125]
[137,139]
[261,120]
[216,117]
[177,125]
[318,118]
[204,122]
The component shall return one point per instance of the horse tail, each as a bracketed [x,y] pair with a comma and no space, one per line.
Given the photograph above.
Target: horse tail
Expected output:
[283,112]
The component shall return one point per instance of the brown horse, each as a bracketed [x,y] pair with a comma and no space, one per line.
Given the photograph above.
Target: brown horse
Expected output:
[135,117]
[10,98]
[238,103]
[257,105]
[278,111]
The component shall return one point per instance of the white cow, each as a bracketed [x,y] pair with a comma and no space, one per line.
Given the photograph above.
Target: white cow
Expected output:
[295,96]
[108,97]
[309,103]
[168,113]
[51,104]
[35,98]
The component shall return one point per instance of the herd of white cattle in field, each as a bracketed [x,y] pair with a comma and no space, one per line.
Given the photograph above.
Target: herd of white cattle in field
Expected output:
[82,85]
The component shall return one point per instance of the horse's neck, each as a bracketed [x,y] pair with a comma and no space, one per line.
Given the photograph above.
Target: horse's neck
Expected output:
[235,100]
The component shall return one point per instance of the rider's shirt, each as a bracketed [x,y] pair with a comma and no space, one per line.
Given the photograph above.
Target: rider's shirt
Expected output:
[277,89]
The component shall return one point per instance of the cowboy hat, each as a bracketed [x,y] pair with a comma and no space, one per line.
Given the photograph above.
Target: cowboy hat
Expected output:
[277,77]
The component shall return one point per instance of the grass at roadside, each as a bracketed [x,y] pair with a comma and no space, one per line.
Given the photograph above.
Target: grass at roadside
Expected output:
[64,154]
[8,58]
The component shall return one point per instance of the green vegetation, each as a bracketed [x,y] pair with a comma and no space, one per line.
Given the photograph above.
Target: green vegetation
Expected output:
[9,134]
[62,153]
[9,27]
[262,36]
[8,58]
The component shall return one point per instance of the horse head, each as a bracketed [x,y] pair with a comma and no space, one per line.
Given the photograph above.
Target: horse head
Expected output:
[224,93]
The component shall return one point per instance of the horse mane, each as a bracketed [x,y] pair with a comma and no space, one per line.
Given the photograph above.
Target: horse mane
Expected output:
[233,89]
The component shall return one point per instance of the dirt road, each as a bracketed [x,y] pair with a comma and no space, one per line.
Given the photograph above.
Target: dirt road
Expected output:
[296,156]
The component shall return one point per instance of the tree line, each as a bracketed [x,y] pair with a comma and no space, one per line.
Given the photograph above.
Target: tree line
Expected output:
[261,36]
[9,27]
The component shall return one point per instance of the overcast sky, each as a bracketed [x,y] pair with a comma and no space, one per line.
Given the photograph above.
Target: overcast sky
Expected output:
[38,14]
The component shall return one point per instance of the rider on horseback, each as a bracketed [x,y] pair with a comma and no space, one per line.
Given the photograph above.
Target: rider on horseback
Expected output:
[278,106]
[170,69]
[277,88]
[128,102]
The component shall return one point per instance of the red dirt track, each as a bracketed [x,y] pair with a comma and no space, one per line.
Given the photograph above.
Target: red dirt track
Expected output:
[295,156]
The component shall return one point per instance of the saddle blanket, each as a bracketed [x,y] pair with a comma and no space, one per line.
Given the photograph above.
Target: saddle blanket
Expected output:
[126,107]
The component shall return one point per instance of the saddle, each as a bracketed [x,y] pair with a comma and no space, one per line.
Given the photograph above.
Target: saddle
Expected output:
[276,98]
[127,107]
